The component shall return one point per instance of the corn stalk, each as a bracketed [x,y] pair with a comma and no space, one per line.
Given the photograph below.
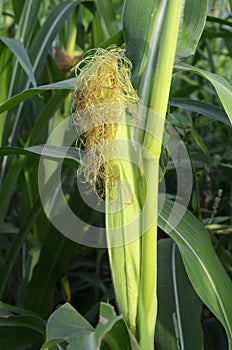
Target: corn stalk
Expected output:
[133,265]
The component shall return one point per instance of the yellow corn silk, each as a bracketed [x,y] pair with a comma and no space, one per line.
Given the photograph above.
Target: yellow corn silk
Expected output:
[103,82]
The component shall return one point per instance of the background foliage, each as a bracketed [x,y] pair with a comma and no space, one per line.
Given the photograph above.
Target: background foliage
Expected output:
[41,41]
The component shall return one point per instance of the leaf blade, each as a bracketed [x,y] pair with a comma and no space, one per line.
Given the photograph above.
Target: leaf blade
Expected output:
[204,269]
[19,51]
[221,85]
[179,311]
[66,323]
[192,25]
[211,111]
[68,84]
[47,33]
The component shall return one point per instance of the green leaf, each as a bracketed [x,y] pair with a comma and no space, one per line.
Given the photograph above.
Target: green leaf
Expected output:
[68,84]
[203,108]
[38,52]
[215,19]
[37,291]
[214,334]
[28,15]
[10,309]
[19,328]
[5,74]
[203,267]
[221,85]
[9,185]
[17,245]
[69,154]
[141,39]
[19,51]
[27,321]
[15,169]
[5,70]
[125,258]
[49,110]
[46,34]
[151,47]
[66,323]
[107,16]
[8,228]
[225,165]
[25,228]
[112,330]
[51,344]
[99,34]
[199,142]
[116,39]
[230,4]
[17,6]
[179,313]
[28,20]
[192,25]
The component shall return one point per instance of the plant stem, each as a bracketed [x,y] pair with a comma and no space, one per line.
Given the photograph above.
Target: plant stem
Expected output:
[158,104]
[163,76]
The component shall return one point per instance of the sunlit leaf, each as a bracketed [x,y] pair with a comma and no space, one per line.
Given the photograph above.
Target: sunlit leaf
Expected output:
[221,85]
[68,84]
[201,108]
[192,24]
[66,323]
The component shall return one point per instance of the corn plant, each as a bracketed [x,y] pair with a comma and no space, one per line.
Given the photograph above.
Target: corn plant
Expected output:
[117,94]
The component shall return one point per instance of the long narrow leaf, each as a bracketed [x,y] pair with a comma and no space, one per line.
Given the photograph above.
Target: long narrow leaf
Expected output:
[142,41]
[18,49]
[221,85]
[179,312]
[43,40]
[20,331]
[37,293]
[230,4]
[106,10]
[70,155]
[9,185]
[47,33]
[202,108]
[10,181]
[17,245]
[5,74]
[192,24]
[27,23]
[11,309]
[204,269]
[22,234]
[68,84]
[28,20]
